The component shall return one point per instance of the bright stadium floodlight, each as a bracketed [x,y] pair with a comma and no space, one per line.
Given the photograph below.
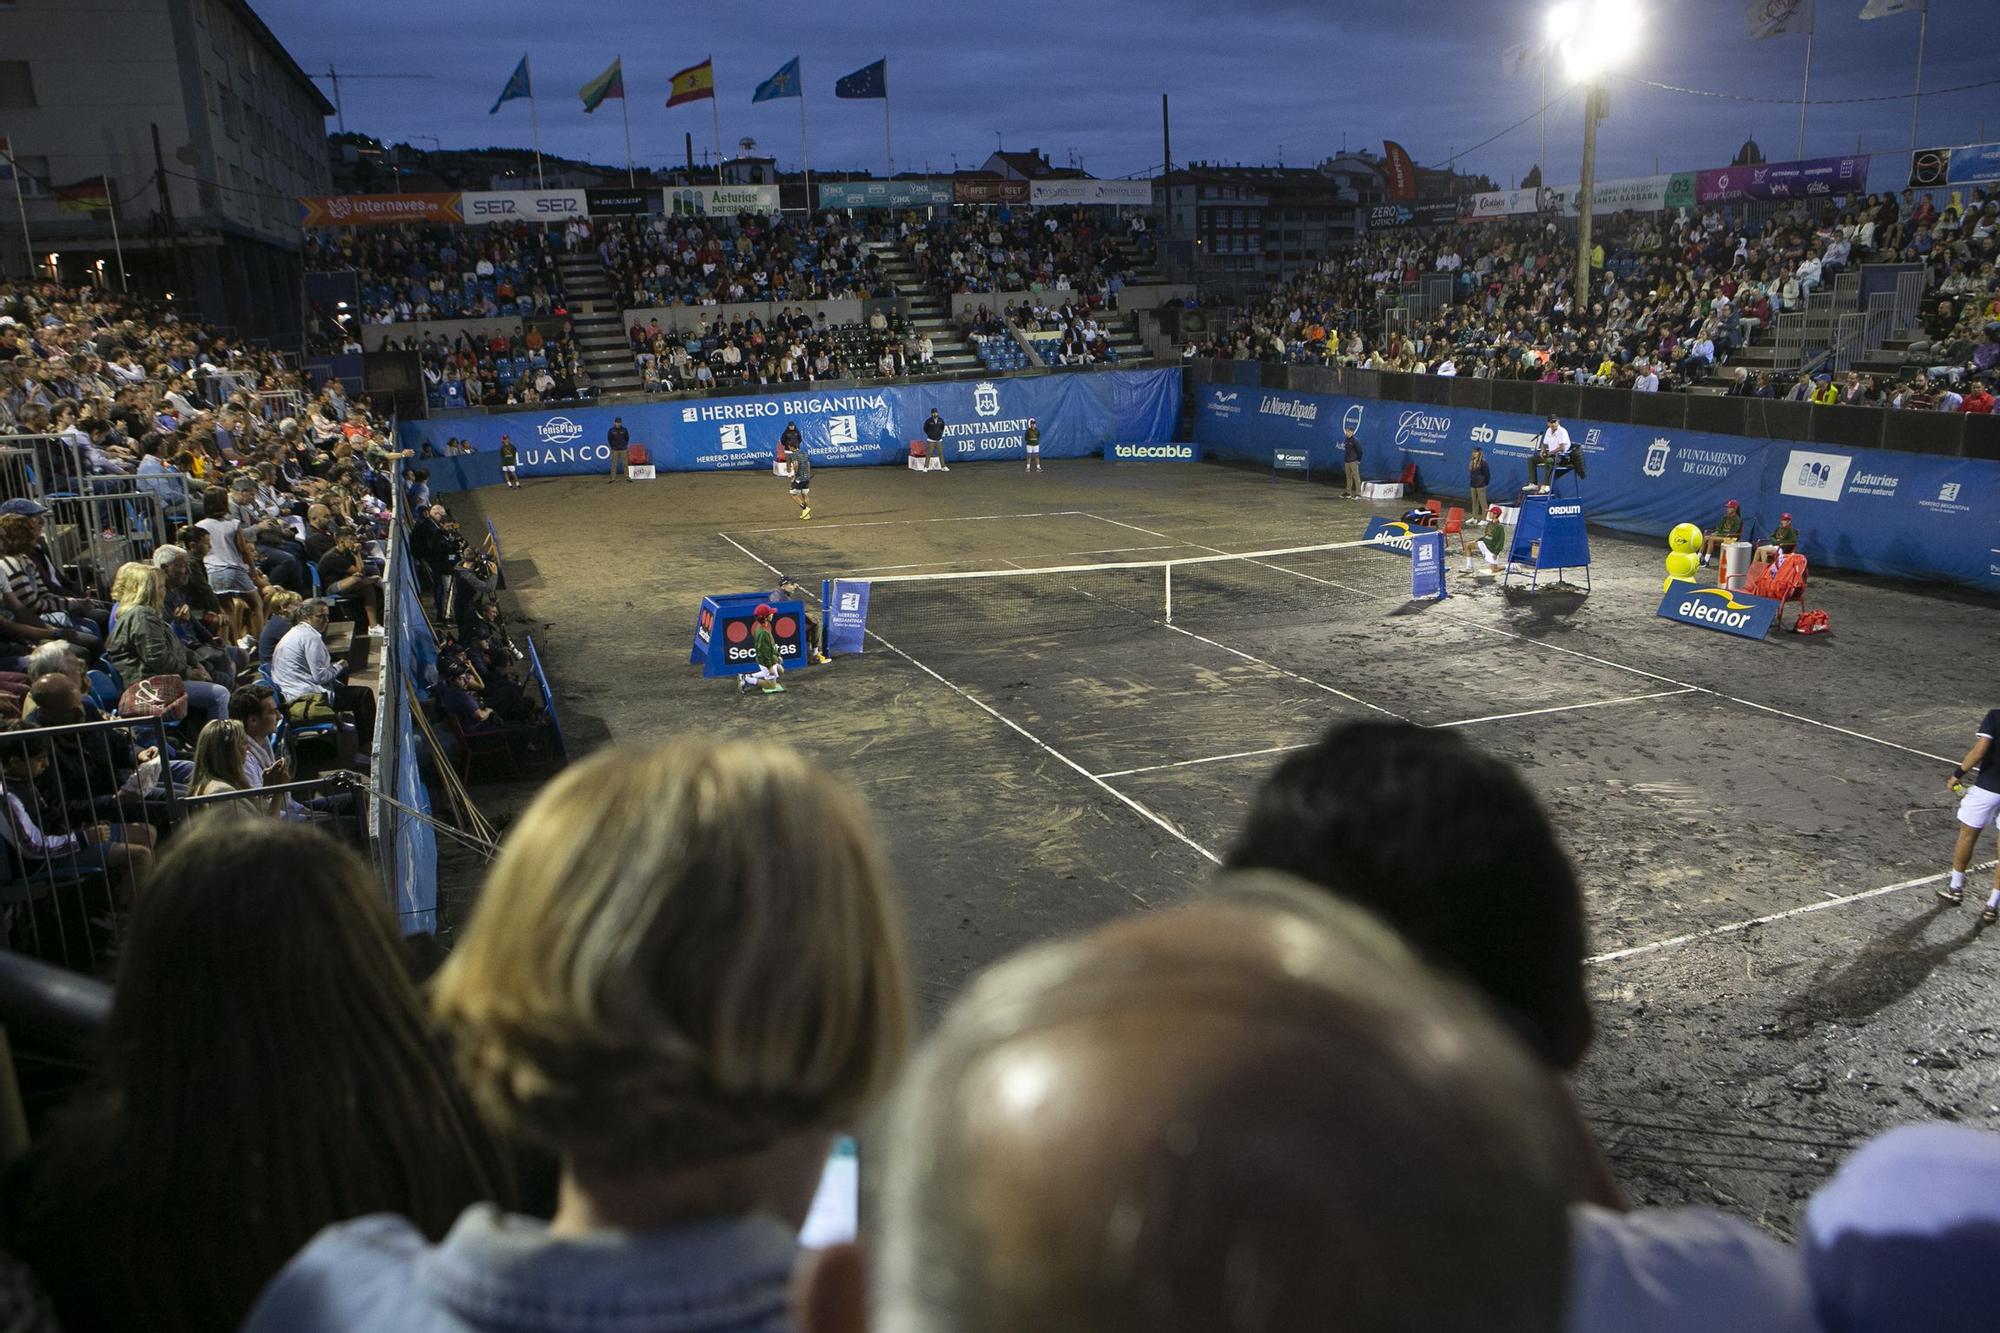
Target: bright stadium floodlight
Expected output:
[1592,38]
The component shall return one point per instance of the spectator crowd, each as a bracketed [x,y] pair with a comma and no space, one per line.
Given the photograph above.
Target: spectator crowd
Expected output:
[437,271]
[665,260]
[792,347]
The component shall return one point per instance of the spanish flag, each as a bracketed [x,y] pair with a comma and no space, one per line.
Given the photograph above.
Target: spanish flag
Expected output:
[694,83]
[84,196]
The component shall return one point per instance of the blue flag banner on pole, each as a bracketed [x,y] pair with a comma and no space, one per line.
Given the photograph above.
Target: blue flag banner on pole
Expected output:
[517,86]
[868,81]
[1427,564]
[846,611]
[785,83]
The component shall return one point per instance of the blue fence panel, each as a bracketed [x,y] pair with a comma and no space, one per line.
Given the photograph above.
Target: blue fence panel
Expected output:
[409,841]
[1906,515]
[1078,415]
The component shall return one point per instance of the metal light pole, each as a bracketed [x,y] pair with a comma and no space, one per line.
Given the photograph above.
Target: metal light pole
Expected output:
[1591,37]
[1592,113]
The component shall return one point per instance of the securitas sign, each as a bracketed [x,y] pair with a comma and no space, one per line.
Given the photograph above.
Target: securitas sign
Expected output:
[1152,453]
[1718,609]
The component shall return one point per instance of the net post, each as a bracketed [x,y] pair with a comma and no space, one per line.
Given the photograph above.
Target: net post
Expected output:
[1170,594]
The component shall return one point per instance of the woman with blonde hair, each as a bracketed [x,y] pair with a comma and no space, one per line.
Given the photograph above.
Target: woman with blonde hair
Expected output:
[281,606]
[143,644]
[684,978]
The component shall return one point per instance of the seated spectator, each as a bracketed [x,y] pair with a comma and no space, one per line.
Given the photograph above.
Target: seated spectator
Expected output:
[230,565]
[192,610]
[268,1070]
[218,764]
[344,581]
[1259,1102]
[142,644]
[309,681]
[685,976]
[33,602]
[42,839]
[282,607]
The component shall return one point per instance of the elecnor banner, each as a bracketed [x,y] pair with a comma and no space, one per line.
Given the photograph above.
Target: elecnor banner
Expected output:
[989,192]
[1905,515]
[364,210]
[1130,194]
[1812,178]
[522,205]
[720,200]
[885,194]
[1079,415]
[1966,164]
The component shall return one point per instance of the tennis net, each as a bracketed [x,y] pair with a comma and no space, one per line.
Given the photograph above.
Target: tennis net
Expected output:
[1022,604]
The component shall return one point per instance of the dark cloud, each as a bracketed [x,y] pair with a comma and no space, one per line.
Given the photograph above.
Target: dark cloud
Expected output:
[1249,80]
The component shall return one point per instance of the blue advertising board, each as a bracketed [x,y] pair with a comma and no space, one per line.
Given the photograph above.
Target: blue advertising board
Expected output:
[1427,564]
[1150,453]
[1388,534]
[885,194]
[1079,415]
[1910,516]
[723,633]
[1718,608]
[846,624]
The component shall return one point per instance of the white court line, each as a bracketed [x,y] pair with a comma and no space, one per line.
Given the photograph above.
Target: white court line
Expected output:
[907,522]
[1573,652]
[942,564]
[1137,807]
[1210,759]
[1565,708]
[1735,926]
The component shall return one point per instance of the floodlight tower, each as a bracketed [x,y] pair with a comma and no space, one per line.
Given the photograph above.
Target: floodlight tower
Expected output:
[1592,38]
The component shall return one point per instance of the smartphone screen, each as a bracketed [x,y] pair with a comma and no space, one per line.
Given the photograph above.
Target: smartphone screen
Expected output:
[836,1209]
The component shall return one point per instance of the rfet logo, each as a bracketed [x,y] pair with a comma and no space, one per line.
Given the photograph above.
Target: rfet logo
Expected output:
[1718,609]
[559,430]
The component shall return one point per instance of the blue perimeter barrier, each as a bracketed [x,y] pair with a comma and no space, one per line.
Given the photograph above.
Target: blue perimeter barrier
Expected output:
[1080,415]
[1911,516]
[541,679]
[406,845]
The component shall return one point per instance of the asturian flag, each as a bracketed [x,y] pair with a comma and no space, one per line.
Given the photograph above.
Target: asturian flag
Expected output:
[1881,9]
[1774,18]
[517,86]
[785,83]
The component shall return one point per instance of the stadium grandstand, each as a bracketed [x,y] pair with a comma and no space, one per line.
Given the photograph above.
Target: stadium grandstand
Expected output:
[1187,793]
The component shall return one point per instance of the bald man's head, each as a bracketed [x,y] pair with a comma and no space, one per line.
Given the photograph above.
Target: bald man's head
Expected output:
[1258,1113]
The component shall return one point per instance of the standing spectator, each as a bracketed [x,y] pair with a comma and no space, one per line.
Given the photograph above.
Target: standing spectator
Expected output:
[1350,460]
[620,441]
[310,682]
[684,977]
[1479,475]
[142,644]
[231,565]
[267,1059]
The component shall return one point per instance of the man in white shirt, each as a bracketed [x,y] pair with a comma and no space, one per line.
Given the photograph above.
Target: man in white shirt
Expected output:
[1647,382]
[309,681]
[1552,454]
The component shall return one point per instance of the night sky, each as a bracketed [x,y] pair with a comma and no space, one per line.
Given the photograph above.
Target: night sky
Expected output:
[1253,81]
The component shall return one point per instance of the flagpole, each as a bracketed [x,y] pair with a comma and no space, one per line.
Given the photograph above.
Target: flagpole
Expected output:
[117,245]
[625,109]
[535,120]
[1917,97]
[888,143]
[715,114]
[1542,153]
[805,154]
[1804,88]
[27,241]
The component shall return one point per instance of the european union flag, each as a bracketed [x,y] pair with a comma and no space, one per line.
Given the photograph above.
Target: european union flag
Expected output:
[785,83]
[868,81]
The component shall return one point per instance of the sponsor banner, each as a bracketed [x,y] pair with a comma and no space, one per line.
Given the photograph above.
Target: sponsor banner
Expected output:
[724,634]
[1967,164]
[367,210]
[989,192]
[1718,609]
[1291,460]
[1904,515]
[1640,194]
[1550,534]
[1080,415]
[885,194]
[1382,217]
[1498,204]
[1151,453]
[522,205]
[846,615]
[1391,535]
[1127,194]
[1427,565]
[607,203]
[1811,178]
[720,200]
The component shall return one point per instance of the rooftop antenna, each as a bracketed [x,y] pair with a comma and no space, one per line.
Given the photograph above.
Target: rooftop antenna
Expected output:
[334,76]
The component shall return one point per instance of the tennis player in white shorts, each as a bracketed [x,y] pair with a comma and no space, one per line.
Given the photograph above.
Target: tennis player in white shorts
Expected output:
[1978,810]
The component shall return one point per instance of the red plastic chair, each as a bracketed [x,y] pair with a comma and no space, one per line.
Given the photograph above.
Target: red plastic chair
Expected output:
[1454,521]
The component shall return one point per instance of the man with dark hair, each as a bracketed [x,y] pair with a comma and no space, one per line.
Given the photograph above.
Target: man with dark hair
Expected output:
[934,433]
[620,441]
[1355,811]
[342,579]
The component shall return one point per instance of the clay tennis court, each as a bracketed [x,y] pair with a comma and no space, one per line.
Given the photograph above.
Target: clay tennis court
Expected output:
[1759,826]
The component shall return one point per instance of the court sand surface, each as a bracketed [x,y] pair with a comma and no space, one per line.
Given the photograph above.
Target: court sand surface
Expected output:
[1760,827]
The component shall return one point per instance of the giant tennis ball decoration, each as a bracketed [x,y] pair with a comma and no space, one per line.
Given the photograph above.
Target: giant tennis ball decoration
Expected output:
[1685,539]
[1683,564]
